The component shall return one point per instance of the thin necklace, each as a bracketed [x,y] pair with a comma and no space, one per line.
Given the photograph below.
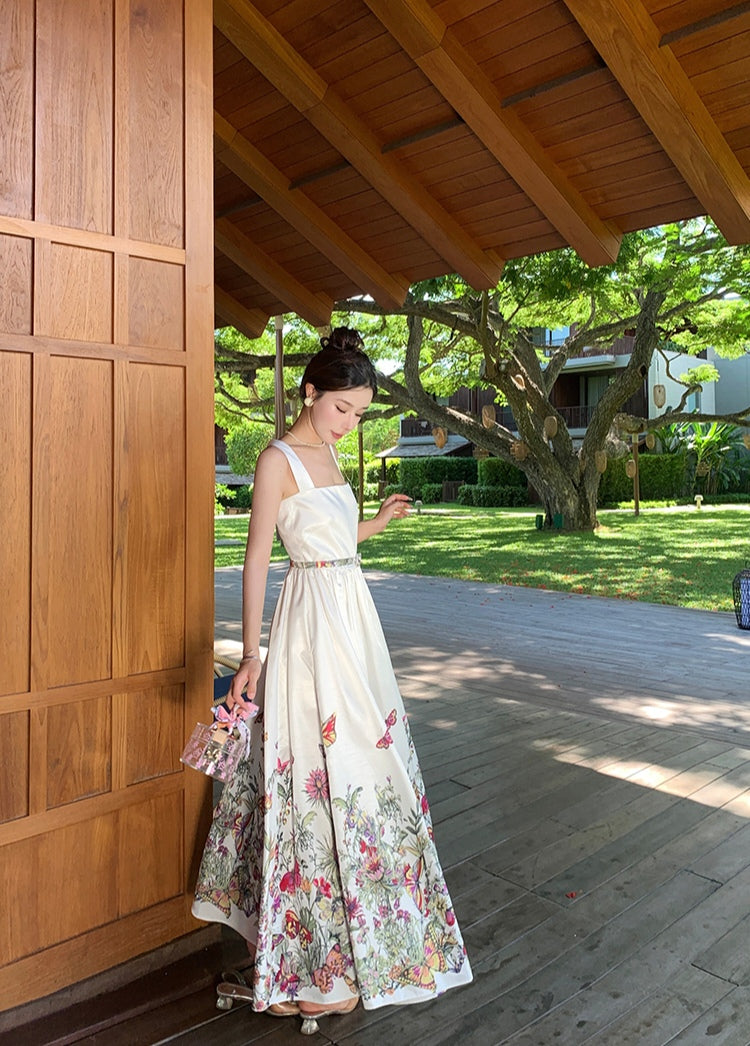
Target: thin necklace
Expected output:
[302,442]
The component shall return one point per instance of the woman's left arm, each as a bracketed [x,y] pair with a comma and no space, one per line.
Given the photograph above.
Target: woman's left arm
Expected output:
[395,506]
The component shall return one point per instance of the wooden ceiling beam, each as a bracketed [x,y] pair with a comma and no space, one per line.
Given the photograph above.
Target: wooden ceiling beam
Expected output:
[626,37]
[250,322]
[429,43]
[283,67]
[249,164]
[315,308]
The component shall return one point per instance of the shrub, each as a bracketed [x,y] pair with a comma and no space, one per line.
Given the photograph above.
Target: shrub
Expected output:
[432,493]
[465,494]
[244,444]
[499,496]
[393,488]
[244,498]
[661,477]
[494,472]
[223,496]
[415,472]
[370,492]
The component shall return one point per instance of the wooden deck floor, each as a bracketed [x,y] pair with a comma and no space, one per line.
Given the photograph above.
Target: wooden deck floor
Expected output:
[588,766]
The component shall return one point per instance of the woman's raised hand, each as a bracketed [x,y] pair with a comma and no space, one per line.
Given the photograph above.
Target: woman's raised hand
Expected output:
[395,506]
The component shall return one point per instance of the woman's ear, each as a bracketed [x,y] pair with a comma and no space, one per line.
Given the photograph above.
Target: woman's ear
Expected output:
[309,391]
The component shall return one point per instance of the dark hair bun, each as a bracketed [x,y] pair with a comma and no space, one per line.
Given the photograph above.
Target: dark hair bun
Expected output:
[343,339]
[342,363]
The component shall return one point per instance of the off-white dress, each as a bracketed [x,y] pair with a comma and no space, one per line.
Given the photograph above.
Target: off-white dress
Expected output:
[321,849]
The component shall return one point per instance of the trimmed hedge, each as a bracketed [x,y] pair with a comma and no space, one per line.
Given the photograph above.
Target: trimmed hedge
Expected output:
[432,493]
[484,496]
[661,477]
[413,473]
[494,472]
[243,498]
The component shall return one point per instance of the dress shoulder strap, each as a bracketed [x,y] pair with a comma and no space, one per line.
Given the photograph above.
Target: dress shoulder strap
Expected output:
[300,473]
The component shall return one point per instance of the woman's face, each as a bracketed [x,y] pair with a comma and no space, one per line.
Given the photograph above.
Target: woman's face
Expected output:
[337,412]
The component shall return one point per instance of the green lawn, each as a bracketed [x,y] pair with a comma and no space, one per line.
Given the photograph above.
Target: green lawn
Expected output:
[682,557]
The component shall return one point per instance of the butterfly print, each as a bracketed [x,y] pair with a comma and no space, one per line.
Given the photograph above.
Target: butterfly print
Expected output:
[328,730]
[386,740]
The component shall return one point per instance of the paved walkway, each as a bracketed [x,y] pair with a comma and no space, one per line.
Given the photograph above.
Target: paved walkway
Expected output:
[588,764]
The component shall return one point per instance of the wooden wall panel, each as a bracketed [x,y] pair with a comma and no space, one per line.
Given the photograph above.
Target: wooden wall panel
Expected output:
[151,841]
[79,746]
[155,579]
[106,478]
[74,293]
[17,108]
[57,886]
[74,114]
[15,519]
[14,765]
[157,304]
[155,87]
[79,520]
[16,296]
[154,733]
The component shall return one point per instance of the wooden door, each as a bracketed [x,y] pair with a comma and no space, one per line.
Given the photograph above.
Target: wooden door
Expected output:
[106,478]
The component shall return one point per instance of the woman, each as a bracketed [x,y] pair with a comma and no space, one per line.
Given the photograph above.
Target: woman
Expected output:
[321,852]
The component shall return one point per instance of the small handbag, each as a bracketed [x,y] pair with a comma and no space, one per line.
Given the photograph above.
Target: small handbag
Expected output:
[216,749]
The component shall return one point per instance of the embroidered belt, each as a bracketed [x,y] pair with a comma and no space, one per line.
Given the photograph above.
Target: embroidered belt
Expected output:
[350,562]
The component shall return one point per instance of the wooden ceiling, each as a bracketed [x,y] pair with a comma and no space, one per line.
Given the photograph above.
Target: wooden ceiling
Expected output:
[365,144]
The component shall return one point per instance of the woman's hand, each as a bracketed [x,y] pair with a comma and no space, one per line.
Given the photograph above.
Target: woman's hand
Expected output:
[395,506]
[243,686]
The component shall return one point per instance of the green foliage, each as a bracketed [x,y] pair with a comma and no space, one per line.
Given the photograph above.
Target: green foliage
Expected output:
[494,472]
[244,498]
[244,445]
[415,472]
[485,496]
[393,488]
[223,496]
[662,477]
[432,493]
[374,471]
[715,452]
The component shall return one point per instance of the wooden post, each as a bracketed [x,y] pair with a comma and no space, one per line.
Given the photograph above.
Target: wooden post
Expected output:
[278,380]
[636,477]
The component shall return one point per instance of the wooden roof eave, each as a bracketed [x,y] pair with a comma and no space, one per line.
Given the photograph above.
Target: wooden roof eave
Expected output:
[281,65]
[462,83]
[628,40]
[249,164]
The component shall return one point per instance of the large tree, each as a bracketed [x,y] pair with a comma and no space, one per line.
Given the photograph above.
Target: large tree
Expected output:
[679,287]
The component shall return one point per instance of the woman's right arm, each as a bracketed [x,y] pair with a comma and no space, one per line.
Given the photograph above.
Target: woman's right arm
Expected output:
[270,485]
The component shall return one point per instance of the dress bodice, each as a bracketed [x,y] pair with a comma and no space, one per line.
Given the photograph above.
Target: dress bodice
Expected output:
[316,523]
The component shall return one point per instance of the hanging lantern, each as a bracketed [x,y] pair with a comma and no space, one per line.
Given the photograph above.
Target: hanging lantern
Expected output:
[488,415]
[650,440]
[440,436]
[519,450]
[660,395]
[600,459]
[746,440]
[630,468]
[550,426]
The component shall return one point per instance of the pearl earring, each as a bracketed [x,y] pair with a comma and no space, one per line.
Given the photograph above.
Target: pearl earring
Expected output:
[308,401]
